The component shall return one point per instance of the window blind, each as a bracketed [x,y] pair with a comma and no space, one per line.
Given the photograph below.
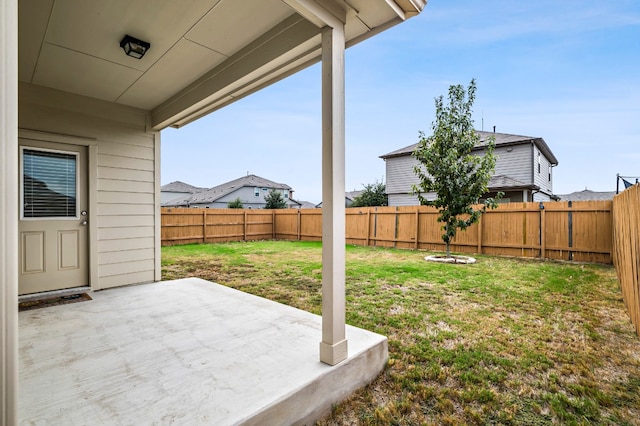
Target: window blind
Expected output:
[49,184]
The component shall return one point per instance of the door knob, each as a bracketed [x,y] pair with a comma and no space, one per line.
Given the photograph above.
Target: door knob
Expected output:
[84,223]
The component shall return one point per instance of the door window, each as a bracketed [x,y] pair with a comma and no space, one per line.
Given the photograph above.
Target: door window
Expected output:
[49,184]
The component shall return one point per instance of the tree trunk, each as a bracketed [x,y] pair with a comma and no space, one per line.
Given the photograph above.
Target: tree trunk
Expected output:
[447,240]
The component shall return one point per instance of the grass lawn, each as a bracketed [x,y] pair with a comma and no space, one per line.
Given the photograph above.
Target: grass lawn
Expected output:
[503,341]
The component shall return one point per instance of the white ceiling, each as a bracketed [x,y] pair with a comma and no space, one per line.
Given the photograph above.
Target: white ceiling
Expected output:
[221,49]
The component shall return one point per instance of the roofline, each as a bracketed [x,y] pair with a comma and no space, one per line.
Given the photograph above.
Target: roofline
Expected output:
[514,188]
[190,104]
[539,142]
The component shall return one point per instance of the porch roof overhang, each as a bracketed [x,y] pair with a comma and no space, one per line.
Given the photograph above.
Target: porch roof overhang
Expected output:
[204,54]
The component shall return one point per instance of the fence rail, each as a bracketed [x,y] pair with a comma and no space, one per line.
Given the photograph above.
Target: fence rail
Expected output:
[626,249]
[580,231]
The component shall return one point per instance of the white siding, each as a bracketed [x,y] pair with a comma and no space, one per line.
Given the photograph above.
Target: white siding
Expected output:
[124,167]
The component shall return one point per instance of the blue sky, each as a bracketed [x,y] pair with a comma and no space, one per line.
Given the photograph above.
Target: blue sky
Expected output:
[564,70]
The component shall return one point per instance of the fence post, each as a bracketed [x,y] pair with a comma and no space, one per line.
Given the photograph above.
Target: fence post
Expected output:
[570,220]
[480,234]
[395,231]
[368,226]
[375,227]
[204,226]
[417,226]
[244,227]
[543,232]
[273,224]
[299,224]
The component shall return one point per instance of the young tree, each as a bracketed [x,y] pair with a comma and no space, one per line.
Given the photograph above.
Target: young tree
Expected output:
[372,195]
[235,204]
[274,200]
[448,168]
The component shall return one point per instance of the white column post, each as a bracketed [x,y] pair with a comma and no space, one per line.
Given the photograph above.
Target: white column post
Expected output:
[333,347]
[8,212]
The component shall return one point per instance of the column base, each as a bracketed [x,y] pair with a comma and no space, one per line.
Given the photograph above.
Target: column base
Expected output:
[333,354]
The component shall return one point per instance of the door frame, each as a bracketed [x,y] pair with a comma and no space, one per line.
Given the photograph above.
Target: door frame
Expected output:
[92,181]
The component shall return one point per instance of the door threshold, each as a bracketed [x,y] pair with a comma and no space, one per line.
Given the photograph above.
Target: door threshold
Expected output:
[53,293]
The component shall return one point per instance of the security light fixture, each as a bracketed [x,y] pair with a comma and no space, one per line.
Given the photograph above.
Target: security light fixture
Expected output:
[134,47]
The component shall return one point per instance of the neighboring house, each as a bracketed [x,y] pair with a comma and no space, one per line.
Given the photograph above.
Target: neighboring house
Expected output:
[250,189]
[349,197]
[523,170]
[588,195]
[304,204]
[176,190]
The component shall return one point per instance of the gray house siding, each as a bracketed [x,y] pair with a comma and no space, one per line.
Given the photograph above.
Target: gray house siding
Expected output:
[400,175]
[515,161]
[541,177]
[406,199]
[248,198]
[166,196]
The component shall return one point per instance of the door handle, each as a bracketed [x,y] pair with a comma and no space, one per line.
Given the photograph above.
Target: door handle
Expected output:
[84,223]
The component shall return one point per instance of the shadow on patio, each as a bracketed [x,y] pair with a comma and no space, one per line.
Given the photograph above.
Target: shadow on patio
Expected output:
[187,352]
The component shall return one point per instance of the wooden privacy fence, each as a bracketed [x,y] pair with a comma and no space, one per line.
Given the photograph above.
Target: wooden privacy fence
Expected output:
[626,249]
[556,230]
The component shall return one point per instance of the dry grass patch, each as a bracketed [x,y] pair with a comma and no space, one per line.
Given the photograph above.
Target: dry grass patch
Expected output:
[504,341]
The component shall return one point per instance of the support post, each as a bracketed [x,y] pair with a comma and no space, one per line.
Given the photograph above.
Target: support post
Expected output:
[333,347]
[8,213]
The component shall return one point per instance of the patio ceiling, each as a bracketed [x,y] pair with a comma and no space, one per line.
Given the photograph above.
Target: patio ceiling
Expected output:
[204,54]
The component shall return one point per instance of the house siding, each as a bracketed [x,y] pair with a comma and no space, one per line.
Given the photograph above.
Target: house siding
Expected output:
[166,196]
[248,198]
[541,179]
[124,248]
[400,174]
[517,163]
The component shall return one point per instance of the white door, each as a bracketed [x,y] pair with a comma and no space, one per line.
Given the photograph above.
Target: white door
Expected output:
[53,242]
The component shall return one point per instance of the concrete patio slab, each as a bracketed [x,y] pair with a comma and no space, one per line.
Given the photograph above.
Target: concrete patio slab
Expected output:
[183,352]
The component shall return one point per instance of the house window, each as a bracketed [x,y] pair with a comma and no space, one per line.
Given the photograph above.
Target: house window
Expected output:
[256,192]
[264,189]
[286,195]
[49,184]
[539,167]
